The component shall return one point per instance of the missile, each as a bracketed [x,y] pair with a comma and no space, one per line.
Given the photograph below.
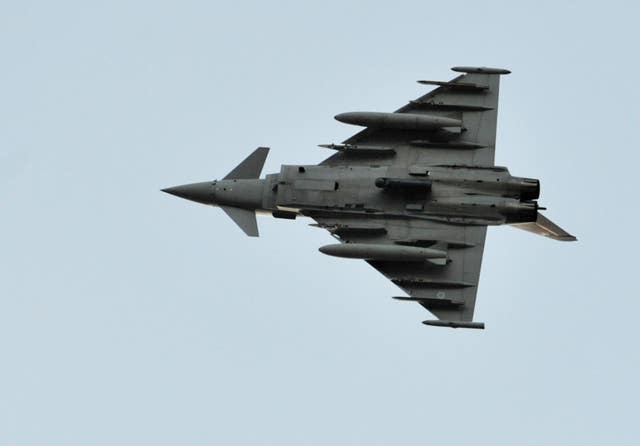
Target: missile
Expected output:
[388,253]
[400,121]
[353,149]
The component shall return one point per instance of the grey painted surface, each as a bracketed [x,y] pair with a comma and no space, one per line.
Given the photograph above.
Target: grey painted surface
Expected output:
[416,183]
[122,318]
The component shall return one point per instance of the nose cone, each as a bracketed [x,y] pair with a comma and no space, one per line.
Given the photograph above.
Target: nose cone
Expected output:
[198,192]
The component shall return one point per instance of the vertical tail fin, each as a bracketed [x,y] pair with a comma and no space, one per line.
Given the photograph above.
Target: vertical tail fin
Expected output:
[251,167]
[545,227]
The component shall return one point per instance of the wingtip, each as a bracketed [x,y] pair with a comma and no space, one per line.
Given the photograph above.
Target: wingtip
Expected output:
[564,238]
[481,70]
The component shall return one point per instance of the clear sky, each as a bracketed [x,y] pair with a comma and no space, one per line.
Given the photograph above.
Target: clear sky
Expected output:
[131,317]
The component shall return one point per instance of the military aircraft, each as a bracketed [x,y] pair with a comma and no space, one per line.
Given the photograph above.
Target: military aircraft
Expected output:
[412,193]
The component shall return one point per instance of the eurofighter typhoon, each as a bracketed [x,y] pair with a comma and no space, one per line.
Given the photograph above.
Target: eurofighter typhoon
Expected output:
[412,193]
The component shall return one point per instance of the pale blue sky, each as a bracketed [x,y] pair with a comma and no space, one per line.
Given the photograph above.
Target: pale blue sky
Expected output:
[130,317]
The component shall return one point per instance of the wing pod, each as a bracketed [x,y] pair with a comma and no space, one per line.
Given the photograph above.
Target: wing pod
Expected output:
[455,324]
[388,253]
[399,121]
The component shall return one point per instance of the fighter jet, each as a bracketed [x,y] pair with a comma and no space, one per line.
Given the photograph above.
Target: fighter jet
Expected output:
[412,193]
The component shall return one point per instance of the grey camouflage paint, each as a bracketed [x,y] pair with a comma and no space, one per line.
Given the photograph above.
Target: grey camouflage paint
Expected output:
[411,194]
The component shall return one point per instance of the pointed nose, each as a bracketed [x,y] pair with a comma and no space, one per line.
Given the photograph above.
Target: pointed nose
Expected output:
[198,192]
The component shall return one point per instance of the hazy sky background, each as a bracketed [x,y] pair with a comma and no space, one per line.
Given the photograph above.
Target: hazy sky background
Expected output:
[131,317]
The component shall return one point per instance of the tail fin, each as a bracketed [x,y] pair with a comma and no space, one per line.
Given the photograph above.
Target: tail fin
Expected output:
[545,227]
[251,167]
